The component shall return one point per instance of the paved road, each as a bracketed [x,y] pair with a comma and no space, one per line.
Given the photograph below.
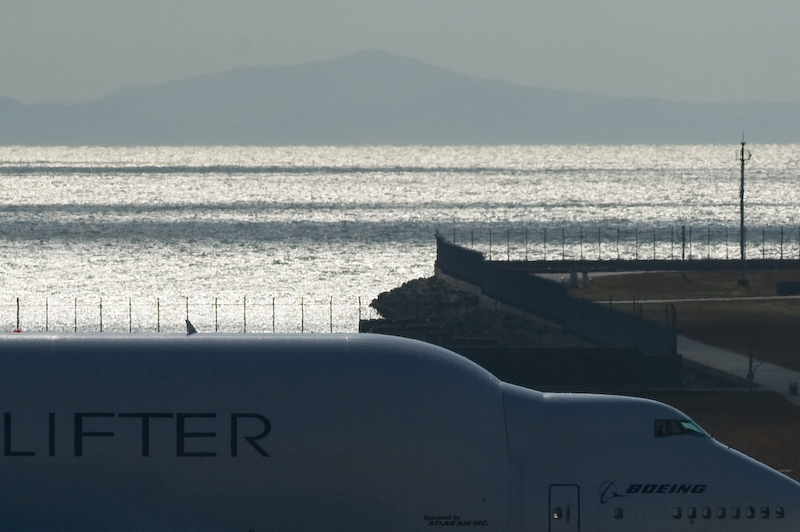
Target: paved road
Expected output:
[767,376]
[703,299]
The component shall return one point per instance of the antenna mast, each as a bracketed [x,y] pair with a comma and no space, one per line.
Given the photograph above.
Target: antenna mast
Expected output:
[743,156]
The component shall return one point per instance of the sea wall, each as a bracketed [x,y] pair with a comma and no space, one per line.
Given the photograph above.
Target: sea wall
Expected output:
[639,350]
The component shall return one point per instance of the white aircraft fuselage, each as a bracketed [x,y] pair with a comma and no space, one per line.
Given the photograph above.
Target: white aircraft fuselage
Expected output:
[345,433]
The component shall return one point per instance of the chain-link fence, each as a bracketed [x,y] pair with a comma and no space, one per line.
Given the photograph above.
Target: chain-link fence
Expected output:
[682,242]
[136,315]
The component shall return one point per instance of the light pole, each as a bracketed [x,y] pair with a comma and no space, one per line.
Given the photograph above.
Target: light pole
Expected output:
[744,155]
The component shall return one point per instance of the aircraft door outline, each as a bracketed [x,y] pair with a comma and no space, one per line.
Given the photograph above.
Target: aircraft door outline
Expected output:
[565,508]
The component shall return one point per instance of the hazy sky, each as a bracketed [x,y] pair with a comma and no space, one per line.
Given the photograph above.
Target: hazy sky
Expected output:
[689,50]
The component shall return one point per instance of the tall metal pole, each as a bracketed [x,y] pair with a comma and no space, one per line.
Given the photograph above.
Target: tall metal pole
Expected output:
[743,156]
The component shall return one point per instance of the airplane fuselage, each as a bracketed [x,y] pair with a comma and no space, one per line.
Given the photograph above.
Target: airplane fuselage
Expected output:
[345,432]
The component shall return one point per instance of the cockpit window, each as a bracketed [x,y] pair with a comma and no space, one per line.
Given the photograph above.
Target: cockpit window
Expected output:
[692,428]
[677,427]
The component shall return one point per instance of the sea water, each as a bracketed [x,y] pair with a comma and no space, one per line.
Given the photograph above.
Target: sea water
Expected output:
[302,238]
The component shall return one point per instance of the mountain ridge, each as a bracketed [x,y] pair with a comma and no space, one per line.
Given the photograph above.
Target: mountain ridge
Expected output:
[372,98]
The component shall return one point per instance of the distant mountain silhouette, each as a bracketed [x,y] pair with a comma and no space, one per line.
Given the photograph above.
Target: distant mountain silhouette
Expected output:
[375,98]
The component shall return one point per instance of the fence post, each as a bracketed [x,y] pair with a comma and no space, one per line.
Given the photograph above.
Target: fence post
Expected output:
[671,243]
[76,314]
[581,241]
[244,312]
[563,246]
[101,314]
[302,316]
[654,243]
[617,243]
[273,315]
[526,244]
[158,314]
[47,315]
[508,245]
[781,242]
[708,244]
[674,330]
[216,316]
[683,243]
[599,245]
[130,316]
[726,244]
[690,242]
[636,243]
[331,314]
[490,244]
[359,312]
[17,327]
[763,238]
[544,241]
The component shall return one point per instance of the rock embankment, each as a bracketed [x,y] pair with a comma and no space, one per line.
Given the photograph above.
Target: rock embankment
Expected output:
[432,310]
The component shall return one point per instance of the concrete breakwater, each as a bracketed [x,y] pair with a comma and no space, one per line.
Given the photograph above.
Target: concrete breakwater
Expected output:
[526,329]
